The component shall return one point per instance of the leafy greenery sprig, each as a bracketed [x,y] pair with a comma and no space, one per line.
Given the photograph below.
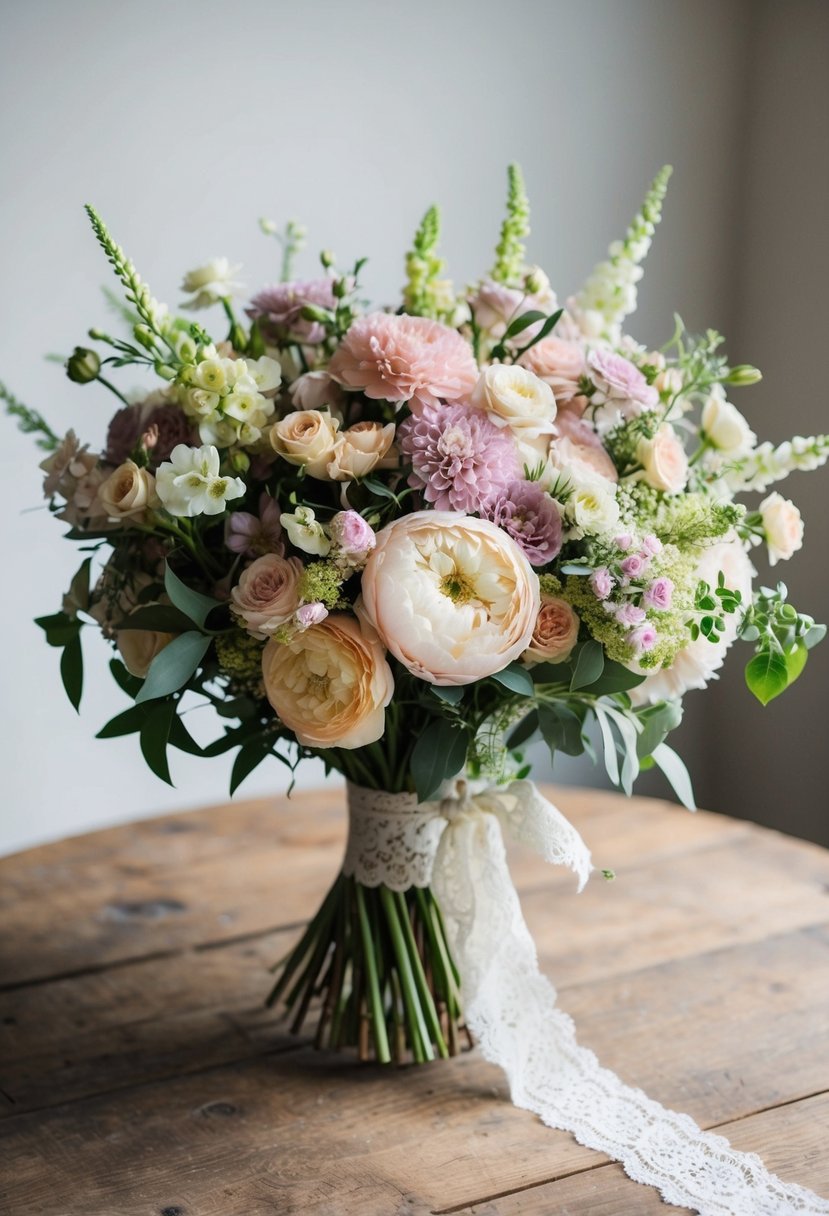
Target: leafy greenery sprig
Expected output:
[29,421]
[711,606]
[783,638]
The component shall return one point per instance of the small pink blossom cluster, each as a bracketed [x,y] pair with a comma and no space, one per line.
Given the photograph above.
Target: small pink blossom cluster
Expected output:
[626,575]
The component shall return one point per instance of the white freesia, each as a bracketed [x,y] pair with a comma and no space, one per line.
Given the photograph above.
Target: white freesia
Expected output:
[210,283]
[783,527]
[516,398]
[190,483]
[227,397]
[305,532]
[724,426]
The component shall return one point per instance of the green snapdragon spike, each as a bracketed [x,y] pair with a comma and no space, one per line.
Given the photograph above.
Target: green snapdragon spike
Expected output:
[510,252]
[423,269]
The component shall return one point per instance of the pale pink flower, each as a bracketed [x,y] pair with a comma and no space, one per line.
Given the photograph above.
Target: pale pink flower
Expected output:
[278,310]
[629,615]
[402,358]
[623,541]
[351,534]
[530,517]
[634,565]
[620,383]
[494,306]
[601,582]
[255,535]
[659,594]
[579,445]
[267,594]
[643,638]
[310,614]
[558,362]
[555,634]
[460,459]
[315,391]
[651,545]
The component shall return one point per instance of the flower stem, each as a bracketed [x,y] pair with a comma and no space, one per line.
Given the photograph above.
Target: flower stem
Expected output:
[378,1016]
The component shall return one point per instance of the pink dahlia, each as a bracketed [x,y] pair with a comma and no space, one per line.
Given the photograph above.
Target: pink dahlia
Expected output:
[402,358]
[459,458]
[530,516]
[278,310]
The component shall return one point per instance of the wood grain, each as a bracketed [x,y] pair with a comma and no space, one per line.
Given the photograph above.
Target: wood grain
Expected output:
[141,1074]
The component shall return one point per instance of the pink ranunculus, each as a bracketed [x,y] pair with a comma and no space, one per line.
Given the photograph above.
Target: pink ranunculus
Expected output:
[643,638]
[351,534]
[278,311]
[629,615]
[403,358]
[659,594]
[578,444]
[619,383]
[255,535]
[601,582]
[310,614]
[558,362]
[633,565]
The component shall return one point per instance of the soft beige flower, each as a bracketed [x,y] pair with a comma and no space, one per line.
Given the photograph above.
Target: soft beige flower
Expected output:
[330,683]
[313,390]
[783,527]
[453,597]
[555,634]
[359,450]
[128,492]
[591,509]
[559,363]
[139,647]
[663,459]
[307,438]
[724,426]
[516,398]
[267,594]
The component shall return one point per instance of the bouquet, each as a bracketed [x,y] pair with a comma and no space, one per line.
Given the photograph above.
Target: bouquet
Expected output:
[409,541]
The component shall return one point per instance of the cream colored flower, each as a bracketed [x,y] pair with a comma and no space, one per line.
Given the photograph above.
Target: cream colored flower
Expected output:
[210,283]
[555,634]
[453,597]
[305,532]
[267,594]
[591,509]
[128,492]
[724,426]
[359,450]
[783,526]
[190,483]
[138,648]
[330,683]
[306,437]
[516,398]
[663,459]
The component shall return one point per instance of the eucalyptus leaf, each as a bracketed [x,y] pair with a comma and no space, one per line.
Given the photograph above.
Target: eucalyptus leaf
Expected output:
[517,679]
[452,694]
[814,635]
[193,604]
[589,665]
[611,760]
[560,728]
[173,666]
[657,722]
[615,677]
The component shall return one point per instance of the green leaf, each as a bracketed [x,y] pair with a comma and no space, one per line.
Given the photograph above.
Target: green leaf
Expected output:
[71,670]
[615,677]
[560,728]
[517,679]
[250,755]
[60,628]
[657,722]
[611,760]
[524,322]
[126,723]
[626,725]
[814,635]
[452,694]
[173,666]
[192,603]
[795,659]
[161,618]
[523,731]
[181,738]
[575,568]
[78,593]
[155,734]
[125,680]
[767,676]
[378,488]
[676,772]
[440,752]
[548,325]
[589,665]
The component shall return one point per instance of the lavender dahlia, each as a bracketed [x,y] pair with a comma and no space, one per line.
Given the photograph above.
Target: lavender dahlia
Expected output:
[460,460]
[532,519]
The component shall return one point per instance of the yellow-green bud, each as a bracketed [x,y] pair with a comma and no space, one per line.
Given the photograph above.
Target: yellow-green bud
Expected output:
[327,258]
[743,375]
[83,365]
[144,336]
[310,312]
[165,371]
[239,461]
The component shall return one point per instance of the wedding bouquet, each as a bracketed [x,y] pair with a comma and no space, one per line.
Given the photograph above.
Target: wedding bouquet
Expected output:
[408,541]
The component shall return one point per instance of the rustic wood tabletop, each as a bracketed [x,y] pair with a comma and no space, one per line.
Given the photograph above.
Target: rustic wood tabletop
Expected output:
[142,1076]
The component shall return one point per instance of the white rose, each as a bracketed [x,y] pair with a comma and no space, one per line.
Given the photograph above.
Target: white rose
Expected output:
[663,460]
[783,527]
[591,509]
[128,491]
[724,425]
[516,398]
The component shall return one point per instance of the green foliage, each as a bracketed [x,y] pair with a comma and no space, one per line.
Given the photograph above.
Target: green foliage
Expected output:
[510,251]
[422,296]
[439,753]
[193,604]
[173,666]
[516,678]
[29,421]
[588,666]
[711,608]
[783,638]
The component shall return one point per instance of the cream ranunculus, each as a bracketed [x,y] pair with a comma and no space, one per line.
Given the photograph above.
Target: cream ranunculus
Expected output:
[128,492]
[555,634]
[453,597]
[663,460]
[306,437]
[139,647]
[330,683]
[783,527]
[267,594]
[724,426]
[516,398]
[359,450]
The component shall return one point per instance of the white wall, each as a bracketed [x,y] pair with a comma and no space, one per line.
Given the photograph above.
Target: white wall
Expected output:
[183,122]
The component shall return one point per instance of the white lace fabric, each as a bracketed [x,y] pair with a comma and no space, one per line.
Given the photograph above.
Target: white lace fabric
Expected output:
[455,845]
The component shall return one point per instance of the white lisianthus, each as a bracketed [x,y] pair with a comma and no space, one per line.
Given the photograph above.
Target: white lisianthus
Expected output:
[517,398]
[591,509]
[451,596]
[210,283]
[305,532]
[190,482]
[724,426]
[783,527]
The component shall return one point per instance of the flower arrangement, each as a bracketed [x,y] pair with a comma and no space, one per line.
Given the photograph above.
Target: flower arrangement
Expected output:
[408,541]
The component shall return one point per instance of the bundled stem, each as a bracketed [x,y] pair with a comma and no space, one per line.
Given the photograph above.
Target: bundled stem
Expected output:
[375,968]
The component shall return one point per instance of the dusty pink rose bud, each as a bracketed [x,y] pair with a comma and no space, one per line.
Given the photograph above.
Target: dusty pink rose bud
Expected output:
[651,545]
[351,533]
[601,583]
[634,565]
[643,638]
[266,595]
[659,594]
[629,615]
[623,542]
[556,632]
[310,614]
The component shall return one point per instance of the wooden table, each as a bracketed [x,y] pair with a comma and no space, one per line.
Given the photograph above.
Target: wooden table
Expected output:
[141,1075]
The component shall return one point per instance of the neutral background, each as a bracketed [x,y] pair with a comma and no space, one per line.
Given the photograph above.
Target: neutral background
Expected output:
[183,122]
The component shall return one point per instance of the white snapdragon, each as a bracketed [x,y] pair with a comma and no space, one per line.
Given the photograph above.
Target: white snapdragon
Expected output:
[305,532]
[226,396]
[190,483]
[767,463]
[210,283]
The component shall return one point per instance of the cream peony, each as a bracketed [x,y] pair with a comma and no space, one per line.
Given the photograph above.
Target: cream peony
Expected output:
[330,683]
[555,634]
[516,398]
[663,459]
[138,648]
[128,492]
[724,426]
[306,437]
[698,662]
[359,450]
[267,594]
[453,597]
[783,527]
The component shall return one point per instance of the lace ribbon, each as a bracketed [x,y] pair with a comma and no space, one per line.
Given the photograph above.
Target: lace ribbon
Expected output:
[455,845]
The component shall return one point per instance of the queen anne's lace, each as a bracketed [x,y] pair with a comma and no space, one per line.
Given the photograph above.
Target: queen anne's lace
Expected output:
[456,846]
